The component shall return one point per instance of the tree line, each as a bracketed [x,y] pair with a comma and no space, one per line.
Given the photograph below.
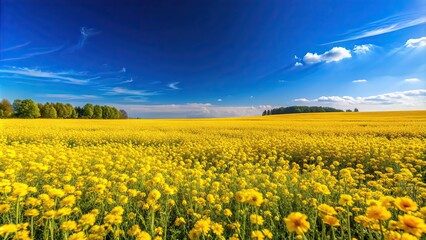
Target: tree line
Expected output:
[27,108]
[302,109]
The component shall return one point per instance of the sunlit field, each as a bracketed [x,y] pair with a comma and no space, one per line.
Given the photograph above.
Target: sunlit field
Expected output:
[306,176]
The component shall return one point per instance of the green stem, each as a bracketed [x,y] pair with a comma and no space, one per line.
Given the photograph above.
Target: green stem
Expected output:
[349,223]
[381,230]
[17,210]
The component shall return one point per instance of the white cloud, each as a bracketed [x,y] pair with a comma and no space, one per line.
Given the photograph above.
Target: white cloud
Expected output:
[411,99]
[334,55]
[219,99]
[15,47]
[301,100]
[298,64]
[385,25]
[416,42]
[359,81]
[127,81]
[125,91]
[70,96]
[412,80]
[63,77]
[363,49]
[173,85]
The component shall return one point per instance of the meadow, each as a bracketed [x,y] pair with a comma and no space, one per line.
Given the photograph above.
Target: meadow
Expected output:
[298,176]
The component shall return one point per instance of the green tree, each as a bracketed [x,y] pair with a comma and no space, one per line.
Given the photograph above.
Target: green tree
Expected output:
[97,112]
[88,111]
[27,109]
[106,112]
[356,110]
[48,111]
[6,109]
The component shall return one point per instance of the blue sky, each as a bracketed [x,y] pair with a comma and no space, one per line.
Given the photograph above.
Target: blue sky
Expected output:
[215,58]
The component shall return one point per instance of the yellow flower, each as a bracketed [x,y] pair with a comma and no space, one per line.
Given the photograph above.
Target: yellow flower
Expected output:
[412,225]
[4,208]
[8,228]
[203,226]
[68,226]
[78,236]
[20,189]
[330,220]
[88,219]
[378,212]
[31,213]
[406,204]
[326,209]
[267,233]
[296,222]
[68,201]
[346,200]
[179,221]
[134,230]
[217,229]
[154,195]
[227,212]
[257,235]
[256,219]
[118,210]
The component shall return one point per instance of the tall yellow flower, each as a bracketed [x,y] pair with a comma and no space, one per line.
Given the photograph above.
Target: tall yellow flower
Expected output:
[412,224]
[378,212]
[296,222]
[405,204]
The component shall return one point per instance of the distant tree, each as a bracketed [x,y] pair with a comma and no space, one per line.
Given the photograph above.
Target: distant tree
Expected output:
[348,110]
[301,109]
[356,110]
[48,111]
[97,112]
[15,105]
[27,109]
[68,110]
[115,113]
[6,109]
[124,114]
[88,111]
[106,112]
[79,111]
[61,110]
[264,113]
[74,113]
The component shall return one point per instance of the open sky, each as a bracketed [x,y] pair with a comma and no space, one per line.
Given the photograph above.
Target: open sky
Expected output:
[215,58]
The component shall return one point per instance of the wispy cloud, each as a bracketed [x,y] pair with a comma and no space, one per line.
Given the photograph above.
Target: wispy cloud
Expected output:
[298,64]
[363,49]
[125,91]
[127,81]
[413,99]
[336,54]
[63,77]
[15,47]
[33,54]
[383,26]
[301,100]
[173,85]
[412,80]
[192,110]
[69,96]
[85,33]
[359,81]
[416,42]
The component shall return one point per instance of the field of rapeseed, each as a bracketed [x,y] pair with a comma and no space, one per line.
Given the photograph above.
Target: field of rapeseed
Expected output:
[309,176]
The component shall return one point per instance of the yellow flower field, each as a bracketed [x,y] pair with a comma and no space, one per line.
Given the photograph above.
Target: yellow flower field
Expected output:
[306,176]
